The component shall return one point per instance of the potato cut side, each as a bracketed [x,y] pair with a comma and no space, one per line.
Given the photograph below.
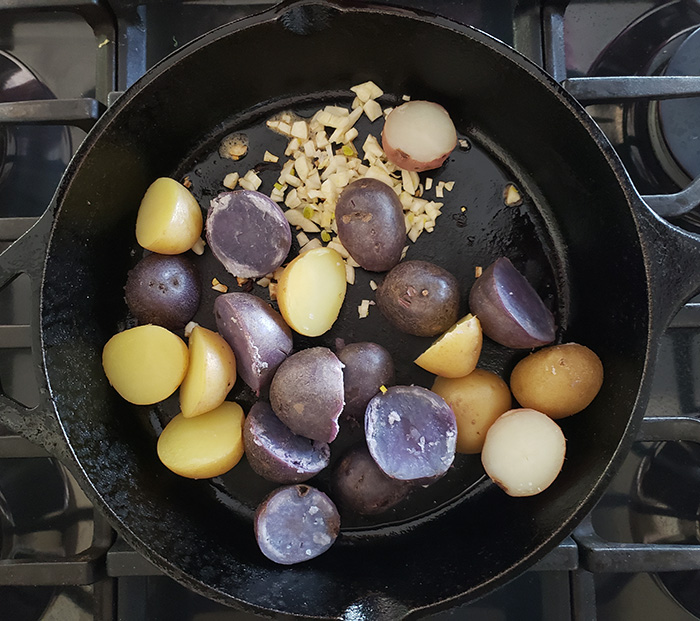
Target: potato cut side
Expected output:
[456,352]
[477,400]
[145,364]
[311,291]
[523,452]
[205,446]
[211,373]
[169,219]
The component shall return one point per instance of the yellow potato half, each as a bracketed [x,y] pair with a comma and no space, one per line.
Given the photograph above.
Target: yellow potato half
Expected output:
[145,364]
[311,291]
[211,373]
[204,446]
[456,352]
[169,220]
[477,400]
[560,380]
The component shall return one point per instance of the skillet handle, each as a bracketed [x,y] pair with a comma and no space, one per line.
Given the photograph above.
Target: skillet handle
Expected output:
[26,256]
[673,260]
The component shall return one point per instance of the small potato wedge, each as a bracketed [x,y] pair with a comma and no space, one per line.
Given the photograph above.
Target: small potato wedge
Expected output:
[456,352]
[169,219]
[311,291]
[205,446]
[211,373]
[145,364]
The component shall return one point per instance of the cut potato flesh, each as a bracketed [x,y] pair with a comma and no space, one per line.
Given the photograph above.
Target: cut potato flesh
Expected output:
[205,446]
[145,364]
[211,373]
[169,219]
[524,452]
[311,291]
[456,352]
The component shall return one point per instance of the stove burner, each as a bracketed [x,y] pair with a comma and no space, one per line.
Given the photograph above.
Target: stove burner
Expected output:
[648,135]
[680,118]
[666,509]
[32,157]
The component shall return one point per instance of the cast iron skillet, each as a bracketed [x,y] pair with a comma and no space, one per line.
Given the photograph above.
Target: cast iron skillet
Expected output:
[612,271]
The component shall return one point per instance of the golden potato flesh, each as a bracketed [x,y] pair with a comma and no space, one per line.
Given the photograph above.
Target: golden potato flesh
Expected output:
[211,373]
[477,400]
[560,380]
[456,352]
[145,364]
[169,220]
[204,446]
[311,291]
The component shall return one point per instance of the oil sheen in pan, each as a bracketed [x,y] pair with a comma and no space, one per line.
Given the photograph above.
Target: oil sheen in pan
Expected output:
[475,228]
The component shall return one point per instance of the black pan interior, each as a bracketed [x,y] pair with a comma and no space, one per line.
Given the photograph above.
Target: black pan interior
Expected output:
[574,237]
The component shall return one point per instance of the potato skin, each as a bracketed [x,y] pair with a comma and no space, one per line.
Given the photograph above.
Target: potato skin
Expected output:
[371,224]
[277,454]
[164,290]
[477,400]
[419,298]
[256,333]
[560,380]
[367,367]
[307,393]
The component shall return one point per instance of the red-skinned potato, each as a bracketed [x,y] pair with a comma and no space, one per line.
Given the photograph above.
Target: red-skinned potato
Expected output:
[418,135]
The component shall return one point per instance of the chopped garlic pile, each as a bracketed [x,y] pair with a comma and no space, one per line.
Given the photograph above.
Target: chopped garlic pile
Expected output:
[323,159]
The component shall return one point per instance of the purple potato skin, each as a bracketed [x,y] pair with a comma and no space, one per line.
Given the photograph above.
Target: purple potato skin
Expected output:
[411,433]
[164,290]
[307,393]
[367,367]
[258,335]
[359,485]
[419,298]
[296,523]
[509,309]
[371,224]
[248,233]
[277,454]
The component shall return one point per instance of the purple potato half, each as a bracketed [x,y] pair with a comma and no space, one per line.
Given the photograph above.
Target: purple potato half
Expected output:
[411,433]
[248,233]
[258,335]
[295,524]
[277,454]
[509,309]
[360,485]
[164,290]
[307,393]
[371,224]
[367,367]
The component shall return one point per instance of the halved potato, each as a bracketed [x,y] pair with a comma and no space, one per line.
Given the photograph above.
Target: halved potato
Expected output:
[169,220]
[205,446]
[456,352]
[311,291]
[211,373]
[145,364]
